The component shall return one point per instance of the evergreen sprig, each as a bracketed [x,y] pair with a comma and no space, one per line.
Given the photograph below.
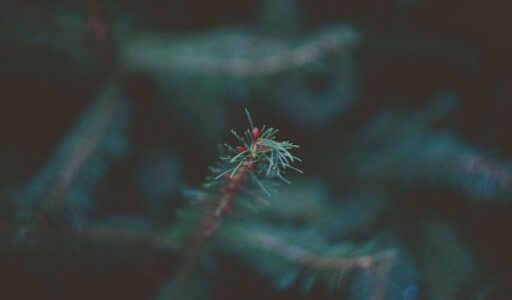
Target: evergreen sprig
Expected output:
[260,152]
[258,157]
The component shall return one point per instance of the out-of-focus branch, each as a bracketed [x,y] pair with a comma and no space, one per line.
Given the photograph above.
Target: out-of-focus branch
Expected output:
[99,29]
[290,251]
[251,56]
[86,146]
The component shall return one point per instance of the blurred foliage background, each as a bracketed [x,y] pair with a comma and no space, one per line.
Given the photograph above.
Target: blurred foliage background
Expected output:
[112,112]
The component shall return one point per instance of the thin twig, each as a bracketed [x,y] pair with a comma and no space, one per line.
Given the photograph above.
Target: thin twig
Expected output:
[85,147]
[292,252]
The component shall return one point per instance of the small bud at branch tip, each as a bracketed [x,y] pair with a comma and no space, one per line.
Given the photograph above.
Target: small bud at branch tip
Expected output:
[240,148]
[255,133]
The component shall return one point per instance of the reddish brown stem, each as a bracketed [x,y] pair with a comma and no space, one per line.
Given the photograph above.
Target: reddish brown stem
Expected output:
[290,251]
[228,193]
[79,154]
[209,223]
[99,29]
[86,146]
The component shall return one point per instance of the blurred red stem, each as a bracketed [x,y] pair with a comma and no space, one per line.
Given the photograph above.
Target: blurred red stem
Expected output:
[228,192]
[99,29]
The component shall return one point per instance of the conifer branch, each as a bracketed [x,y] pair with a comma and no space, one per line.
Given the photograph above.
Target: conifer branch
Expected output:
[79,163]
[86,145]
[258,154]
[289,251]
[260,56]
[417,156]
[289,256]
